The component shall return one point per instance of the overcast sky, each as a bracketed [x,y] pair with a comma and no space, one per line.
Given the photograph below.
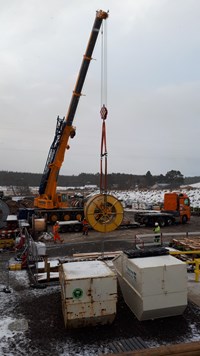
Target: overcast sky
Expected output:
[153,76]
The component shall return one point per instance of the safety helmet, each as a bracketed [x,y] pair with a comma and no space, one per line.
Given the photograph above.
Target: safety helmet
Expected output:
[156,224]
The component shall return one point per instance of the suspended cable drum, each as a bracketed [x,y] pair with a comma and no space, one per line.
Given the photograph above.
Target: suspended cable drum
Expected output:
[104,212]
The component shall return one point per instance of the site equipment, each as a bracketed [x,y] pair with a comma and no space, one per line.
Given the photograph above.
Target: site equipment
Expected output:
[176,208]
[49,203]
[105,212]
[4,211]
[9,232]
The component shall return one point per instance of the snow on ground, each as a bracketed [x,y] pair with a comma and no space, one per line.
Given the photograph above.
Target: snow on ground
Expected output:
[14,342]
[10,326]
[4,327]
[148,197]
[154,197]
[13,324]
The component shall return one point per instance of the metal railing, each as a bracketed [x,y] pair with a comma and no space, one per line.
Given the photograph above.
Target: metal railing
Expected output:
[5,256]
[142,237]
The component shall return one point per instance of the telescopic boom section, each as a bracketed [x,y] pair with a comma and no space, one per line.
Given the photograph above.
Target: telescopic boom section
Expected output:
[47,193]
[100,16]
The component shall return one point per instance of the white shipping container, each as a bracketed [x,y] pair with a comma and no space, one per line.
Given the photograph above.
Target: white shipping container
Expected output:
[153,287]
[89,293]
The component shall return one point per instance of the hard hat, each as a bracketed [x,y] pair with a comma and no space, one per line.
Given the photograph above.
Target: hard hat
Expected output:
[156,224]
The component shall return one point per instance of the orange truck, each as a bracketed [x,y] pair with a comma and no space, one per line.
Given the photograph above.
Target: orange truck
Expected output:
[176,209]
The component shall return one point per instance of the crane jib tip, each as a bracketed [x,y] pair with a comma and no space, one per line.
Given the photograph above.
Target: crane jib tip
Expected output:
[102,14]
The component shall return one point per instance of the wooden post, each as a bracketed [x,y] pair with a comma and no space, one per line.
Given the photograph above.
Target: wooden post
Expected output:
[48,271]
[197,261]
[45,263]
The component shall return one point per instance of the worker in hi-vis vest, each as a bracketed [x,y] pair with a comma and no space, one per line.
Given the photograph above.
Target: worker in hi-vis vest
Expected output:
[156,231]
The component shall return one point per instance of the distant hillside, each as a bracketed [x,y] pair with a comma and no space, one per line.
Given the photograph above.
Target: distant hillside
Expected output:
[33,179]
[191,180]
[115,180]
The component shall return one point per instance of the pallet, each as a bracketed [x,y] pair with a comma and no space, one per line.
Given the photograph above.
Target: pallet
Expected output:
[187,244]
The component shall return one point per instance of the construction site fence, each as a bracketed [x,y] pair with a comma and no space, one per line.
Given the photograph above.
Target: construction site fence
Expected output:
[32,257]
[140,237]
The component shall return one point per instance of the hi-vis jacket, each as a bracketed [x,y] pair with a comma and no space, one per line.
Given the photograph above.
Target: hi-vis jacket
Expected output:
[157,229]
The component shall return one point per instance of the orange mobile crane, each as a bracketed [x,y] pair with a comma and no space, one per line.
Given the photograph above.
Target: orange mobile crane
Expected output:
[49,203]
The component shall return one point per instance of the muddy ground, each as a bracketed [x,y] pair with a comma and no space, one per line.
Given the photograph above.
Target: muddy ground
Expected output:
[41,308]
[117,240]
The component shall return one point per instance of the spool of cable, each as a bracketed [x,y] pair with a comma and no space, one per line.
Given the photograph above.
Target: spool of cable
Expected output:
[104,212]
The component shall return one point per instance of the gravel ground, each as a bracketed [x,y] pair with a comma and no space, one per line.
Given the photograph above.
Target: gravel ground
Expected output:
[32,321]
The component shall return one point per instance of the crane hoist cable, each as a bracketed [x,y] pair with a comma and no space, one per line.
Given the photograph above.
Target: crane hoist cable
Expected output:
[104,153]
[104,64]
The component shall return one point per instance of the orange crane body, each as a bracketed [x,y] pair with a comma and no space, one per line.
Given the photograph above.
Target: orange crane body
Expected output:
[48,198]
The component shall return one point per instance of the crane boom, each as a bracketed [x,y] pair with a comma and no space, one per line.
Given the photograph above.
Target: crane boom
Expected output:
[48,198]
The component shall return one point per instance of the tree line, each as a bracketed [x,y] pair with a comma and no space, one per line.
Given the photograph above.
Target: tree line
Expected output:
[172,179]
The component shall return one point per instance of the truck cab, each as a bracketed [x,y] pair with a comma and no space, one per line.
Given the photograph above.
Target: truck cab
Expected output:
[177,204]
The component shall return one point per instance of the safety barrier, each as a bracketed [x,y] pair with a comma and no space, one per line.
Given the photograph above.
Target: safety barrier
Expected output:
[140,237]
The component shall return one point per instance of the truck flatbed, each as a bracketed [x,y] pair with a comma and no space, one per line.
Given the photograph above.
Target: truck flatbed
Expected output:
[149,218]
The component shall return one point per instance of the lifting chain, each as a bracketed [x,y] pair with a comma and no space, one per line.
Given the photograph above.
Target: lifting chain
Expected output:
[104,153]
